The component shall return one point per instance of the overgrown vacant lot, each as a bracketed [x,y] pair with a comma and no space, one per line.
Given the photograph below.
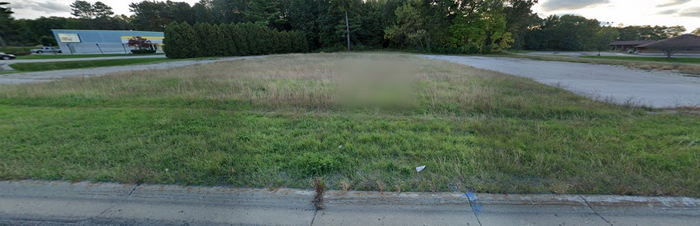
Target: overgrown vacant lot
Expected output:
[360,121]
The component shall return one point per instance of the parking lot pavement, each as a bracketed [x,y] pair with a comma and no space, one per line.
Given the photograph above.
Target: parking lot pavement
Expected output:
[619,84]
[45,76]
[596,53]
[42,202]
[6,62]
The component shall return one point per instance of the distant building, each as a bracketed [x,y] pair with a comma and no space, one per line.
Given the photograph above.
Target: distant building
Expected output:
[102,41]
[684,44]
[687,43]
[628,45]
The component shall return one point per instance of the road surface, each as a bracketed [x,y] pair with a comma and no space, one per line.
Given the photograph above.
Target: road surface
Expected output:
[595,53]
[79,59]
[45,76]
[38,202]
[622,85]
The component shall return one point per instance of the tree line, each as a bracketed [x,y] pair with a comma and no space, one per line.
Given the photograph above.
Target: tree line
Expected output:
[575,33]
[205,40]
[455,26]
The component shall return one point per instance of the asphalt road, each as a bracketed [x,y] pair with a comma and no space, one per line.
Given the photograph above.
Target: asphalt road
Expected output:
[619,84]
[45,76]
[51,203]
[595,53]
[79,59]
[622,85]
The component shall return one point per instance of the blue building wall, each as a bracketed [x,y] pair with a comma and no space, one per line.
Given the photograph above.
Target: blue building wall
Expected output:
[103,41]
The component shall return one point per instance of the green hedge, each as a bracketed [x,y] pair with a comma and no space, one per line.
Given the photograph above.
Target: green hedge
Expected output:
[17,50]
[206,40]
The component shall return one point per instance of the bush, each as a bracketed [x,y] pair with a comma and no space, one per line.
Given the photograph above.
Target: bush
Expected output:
[143,51]
[17,50]
[203,40]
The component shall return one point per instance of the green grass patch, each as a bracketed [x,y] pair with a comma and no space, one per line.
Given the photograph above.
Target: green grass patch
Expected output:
[49,66]
[282,121]
[678,60]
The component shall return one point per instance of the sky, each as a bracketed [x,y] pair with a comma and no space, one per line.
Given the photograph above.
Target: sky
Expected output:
[625,12]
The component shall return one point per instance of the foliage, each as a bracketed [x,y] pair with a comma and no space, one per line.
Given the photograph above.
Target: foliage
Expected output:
[85,10]
[567,32]
[230,40]
[17,50]
[576,33]
[604,37]
[181,41]
[143,51]
[140,43]
[485,34]
[409,29]
[5,23]
[451,26]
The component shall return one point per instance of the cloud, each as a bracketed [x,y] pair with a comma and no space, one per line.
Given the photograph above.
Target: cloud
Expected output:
[673,2]
[552,5]
[668,12]
[46,6]
[692,12]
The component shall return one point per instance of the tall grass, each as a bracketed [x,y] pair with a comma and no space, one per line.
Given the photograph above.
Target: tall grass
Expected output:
[358,121]
[323,82]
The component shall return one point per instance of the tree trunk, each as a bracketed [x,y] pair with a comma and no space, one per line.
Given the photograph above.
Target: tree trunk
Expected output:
[668,53]
[347,30]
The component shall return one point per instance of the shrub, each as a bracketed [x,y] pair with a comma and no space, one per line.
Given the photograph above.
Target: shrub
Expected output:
[202,40]
[143,51]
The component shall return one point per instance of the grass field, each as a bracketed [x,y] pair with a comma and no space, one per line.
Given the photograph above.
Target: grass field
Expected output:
[359,121]
[678,60]
[49,66]
[69,56]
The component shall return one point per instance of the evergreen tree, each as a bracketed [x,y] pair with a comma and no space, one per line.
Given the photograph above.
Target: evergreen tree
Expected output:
[229,34]
[241,39]
[267,12]
[5,23]
[173,46]
[219,40]
[190,41]
[204,46]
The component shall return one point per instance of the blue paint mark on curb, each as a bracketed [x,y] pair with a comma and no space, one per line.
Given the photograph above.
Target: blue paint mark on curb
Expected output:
[474,202]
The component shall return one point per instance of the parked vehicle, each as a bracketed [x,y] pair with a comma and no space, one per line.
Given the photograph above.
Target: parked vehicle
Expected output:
[46,50]
[5,56]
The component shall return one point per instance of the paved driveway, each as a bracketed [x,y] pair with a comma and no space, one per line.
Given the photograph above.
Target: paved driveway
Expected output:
[595,53]
[620,84]
[45,76]
[80,59]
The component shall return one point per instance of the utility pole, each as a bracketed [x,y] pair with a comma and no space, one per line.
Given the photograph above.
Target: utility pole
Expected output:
[347,30]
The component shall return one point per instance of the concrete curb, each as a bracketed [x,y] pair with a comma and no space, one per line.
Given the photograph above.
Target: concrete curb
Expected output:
[222,193]
[58,202]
